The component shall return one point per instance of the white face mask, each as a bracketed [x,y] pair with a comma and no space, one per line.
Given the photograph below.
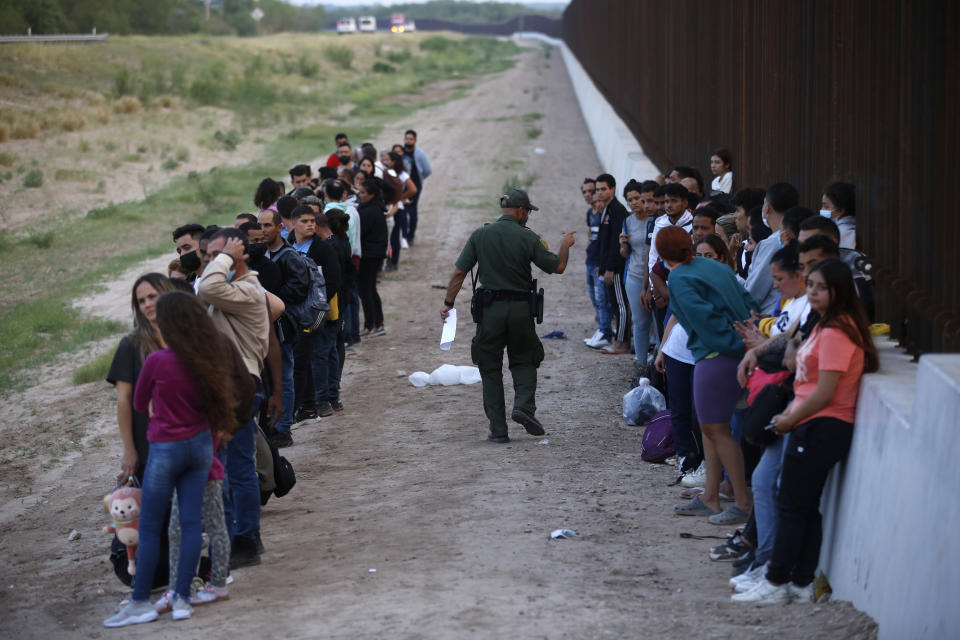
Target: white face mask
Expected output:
[826,213]
[765,223]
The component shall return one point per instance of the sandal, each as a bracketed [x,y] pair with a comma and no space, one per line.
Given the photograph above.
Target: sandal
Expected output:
[695,508]
[729,516]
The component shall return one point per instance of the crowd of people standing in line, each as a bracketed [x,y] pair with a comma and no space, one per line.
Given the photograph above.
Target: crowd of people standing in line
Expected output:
[751,312]
[219,356]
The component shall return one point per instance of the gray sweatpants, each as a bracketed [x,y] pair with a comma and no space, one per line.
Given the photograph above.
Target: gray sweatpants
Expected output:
[216,528]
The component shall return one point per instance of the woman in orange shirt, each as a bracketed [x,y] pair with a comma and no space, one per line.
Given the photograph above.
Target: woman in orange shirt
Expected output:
[819,422]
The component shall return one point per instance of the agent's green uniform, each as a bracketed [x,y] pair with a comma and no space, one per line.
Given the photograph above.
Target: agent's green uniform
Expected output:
[504,251]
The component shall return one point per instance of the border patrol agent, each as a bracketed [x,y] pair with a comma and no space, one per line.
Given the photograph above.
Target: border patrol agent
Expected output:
[506,303]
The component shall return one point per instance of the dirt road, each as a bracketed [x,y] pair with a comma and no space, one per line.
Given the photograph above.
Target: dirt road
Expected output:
[404,523]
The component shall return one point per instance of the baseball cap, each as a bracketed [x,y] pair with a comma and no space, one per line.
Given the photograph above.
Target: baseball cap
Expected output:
[516,198]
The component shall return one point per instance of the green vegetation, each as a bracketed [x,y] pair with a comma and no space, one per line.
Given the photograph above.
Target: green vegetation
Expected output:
[227,17]
[34,179]
[95,370]
[54,88]
[340,56]
[533,132]
[255,83]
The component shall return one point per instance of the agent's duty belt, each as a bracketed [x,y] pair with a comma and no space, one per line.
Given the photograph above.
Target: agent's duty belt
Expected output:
[514,296]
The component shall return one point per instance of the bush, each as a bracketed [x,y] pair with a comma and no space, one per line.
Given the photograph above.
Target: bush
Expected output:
[4,132]
[42,240]
[7,159]
[436,43]
[124,83]
[307,67]
[72,121]
[399,57]
[169,164]
[533,132]
[128,104]
[183,154]
[206,89]
[34,179]
[25,129]
[228,140]
[341,56]
[382,67]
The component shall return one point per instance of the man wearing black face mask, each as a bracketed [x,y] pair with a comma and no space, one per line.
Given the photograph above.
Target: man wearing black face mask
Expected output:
[186,238]
[418,166]
[268,273]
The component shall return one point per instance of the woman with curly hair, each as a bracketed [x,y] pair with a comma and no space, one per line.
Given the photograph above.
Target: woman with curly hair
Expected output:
[184,390]
[267,194]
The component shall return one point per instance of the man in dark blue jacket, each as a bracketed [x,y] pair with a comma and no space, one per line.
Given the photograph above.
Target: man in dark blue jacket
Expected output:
[611,263]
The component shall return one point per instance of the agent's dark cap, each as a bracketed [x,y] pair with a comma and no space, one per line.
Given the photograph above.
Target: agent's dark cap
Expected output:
[516,198]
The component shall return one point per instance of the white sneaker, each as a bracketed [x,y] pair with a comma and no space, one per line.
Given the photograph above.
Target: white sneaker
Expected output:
[764,592]
[132,613]
[181,608]
[403,243]
[746,580]
[801,594]
[696,478]
[596,336]
[598,344]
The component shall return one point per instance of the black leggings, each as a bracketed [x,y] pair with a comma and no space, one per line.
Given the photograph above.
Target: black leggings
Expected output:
[367,288]
[812,450]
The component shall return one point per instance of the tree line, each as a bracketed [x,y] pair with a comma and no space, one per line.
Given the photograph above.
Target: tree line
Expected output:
[226,17]
[154,17]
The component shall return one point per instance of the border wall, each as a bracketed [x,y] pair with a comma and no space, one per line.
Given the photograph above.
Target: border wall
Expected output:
[810,92]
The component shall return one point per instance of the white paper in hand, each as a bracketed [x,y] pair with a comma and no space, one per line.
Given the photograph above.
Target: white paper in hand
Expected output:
[449,330]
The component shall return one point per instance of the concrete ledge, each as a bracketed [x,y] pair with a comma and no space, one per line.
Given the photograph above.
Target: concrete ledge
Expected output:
[890,514]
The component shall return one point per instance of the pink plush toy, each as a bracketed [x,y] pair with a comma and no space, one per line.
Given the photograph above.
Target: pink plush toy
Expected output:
[123,505]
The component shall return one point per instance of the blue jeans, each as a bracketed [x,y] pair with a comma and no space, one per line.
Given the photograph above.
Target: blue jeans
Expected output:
[683,415]
[765,480]
[325,363]
[598,296]
[182,465]
[243,518]
[289,389]
[641,320]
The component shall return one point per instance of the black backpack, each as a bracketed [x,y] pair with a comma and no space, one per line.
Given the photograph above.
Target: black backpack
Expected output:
[312,312]
[283,477]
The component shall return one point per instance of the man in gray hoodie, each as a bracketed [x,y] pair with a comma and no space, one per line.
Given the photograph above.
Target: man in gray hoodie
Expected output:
[779,199]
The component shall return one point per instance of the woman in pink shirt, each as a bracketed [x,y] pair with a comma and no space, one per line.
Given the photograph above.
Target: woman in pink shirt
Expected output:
[819,422]
[184,390]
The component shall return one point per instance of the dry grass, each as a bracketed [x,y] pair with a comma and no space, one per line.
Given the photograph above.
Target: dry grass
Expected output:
[4,132]
[72,121]
[128,104]
[168,102]
[25,128]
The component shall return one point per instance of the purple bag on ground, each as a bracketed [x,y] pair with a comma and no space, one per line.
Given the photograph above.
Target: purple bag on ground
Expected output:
[657,442]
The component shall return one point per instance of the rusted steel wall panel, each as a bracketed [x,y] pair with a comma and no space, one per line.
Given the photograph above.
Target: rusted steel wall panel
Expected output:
[810,92]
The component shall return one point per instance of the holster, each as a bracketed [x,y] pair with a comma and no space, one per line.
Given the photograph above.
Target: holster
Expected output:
[536,302]
[481,299]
